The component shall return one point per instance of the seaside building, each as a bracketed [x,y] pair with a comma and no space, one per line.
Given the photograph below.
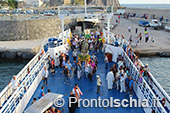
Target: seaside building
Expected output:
[56,2]
[67,1]
[104,2]
[89,2]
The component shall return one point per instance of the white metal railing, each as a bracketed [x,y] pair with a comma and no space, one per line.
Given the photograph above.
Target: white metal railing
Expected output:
[7,99]
[7,91]
[16,97]
[158,89]
[145,90]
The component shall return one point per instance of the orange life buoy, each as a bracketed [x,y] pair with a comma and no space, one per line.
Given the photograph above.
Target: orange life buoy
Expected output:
[28,70]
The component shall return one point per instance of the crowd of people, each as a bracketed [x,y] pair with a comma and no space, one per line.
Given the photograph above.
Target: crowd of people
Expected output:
[139,37]
[118,76]
[72,66]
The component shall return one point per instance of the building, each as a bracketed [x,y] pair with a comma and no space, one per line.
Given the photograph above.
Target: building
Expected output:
[4,0]
[67,1]
[104,2]
[56,2]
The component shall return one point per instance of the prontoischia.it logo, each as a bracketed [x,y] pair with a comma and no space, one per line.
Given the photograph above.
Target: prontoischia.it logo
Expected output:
[59,102]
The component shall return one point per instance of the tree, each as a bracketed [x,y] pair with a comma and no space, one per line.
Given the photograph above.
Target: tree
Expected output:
[80,2]
[12,3]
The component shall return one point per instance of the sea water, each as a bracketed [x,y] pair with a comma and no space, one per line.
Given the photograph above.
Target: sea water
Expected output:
[160,69]
[8,68]
[150,6]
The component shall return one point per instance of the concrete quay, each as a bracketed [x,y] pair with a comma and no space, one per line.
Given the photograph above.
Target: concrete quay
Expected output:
[24,49]
[160,47]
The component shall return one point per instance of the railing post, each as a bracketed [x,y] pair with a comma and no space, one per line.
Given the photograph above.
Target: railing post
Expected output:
[58,10]
[85,6]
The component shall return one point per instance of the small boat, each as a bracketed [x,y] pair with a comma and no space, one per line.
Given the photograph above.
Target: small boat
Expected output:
[155,24]
[144,23]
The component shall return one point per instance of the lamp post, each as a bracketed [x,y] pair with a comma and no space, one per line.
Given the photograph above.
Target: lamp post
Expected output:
[85,5]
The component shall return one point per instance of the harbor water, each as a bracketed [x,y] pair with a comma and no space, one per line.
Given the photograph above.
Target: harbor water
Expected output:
[148,6]
[160,69]
[8,69]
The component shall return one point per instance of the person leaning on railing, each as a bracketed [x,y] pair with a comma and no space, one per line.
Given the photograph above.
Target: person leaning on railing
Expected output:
[15,83]
[41,52]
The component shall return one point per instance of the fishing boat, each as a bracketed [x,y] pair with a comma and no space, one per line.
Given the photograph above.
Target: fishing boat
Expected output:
[30,78]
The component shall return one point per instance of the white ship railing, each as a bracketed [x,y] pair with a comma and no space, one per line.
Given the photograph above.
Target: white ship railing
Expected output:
[7,91]
[19,99]
[142,90]
[158,89]
[30,77]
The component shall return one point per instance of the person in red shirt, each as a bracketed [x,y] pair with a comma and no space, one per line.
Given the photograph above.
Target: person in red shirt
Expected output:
[53,67]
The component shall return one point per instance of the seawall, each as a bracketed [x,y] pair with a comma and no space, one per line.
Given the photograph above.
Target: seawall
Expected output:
[28,29]
[22,38]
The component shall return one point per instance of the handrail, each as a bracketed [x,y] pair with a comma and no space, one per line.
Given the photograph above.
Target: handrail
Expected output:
[163,109]
[7,91]
[20,74]
[154,96]
[37,66]
[158,86]
[156,83]
[19,89]
[164,93]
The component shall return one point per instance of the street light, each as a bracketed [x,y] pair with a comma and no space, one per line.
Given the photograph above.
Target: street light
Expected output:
[85,5]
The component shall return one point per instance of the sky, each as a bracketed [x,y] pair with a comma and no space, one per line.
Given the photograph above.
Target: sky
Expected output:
[144,1]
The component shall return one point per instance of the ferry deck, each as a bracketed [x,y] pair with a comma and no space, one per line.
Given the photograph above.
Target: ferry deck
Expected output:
[31,81]
[56,85]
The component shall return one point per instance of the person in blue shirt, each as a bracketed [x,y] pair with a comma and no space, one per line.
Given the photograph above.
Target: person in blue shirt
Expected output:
[127,80]
[64,62]
[74,67]
[131,85]
[124,46]
[116,43]
[41,92]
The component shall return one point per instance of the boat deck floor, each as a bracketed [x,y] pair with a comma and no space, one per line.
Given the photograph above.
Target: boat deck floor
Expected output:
[56,85]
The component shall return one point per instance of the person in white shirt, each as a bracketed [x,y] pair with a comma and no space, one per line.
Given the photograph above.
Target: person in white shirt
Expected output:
[106,61]
[99,83]
[86,69]
[120,63]
[15,84]
[74,54]
[122,83]
[66,52]
[45,76]
[57,61]
[110,79]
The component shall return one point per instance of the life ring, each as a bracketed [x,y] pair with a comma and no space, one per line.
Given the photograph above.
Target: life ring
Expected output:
[163,102]
[28,70]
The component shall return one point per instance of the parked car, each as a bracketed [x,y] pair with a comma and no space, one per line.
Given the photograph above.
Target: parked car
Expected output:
[144,23]
[112,26]
[155,24]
